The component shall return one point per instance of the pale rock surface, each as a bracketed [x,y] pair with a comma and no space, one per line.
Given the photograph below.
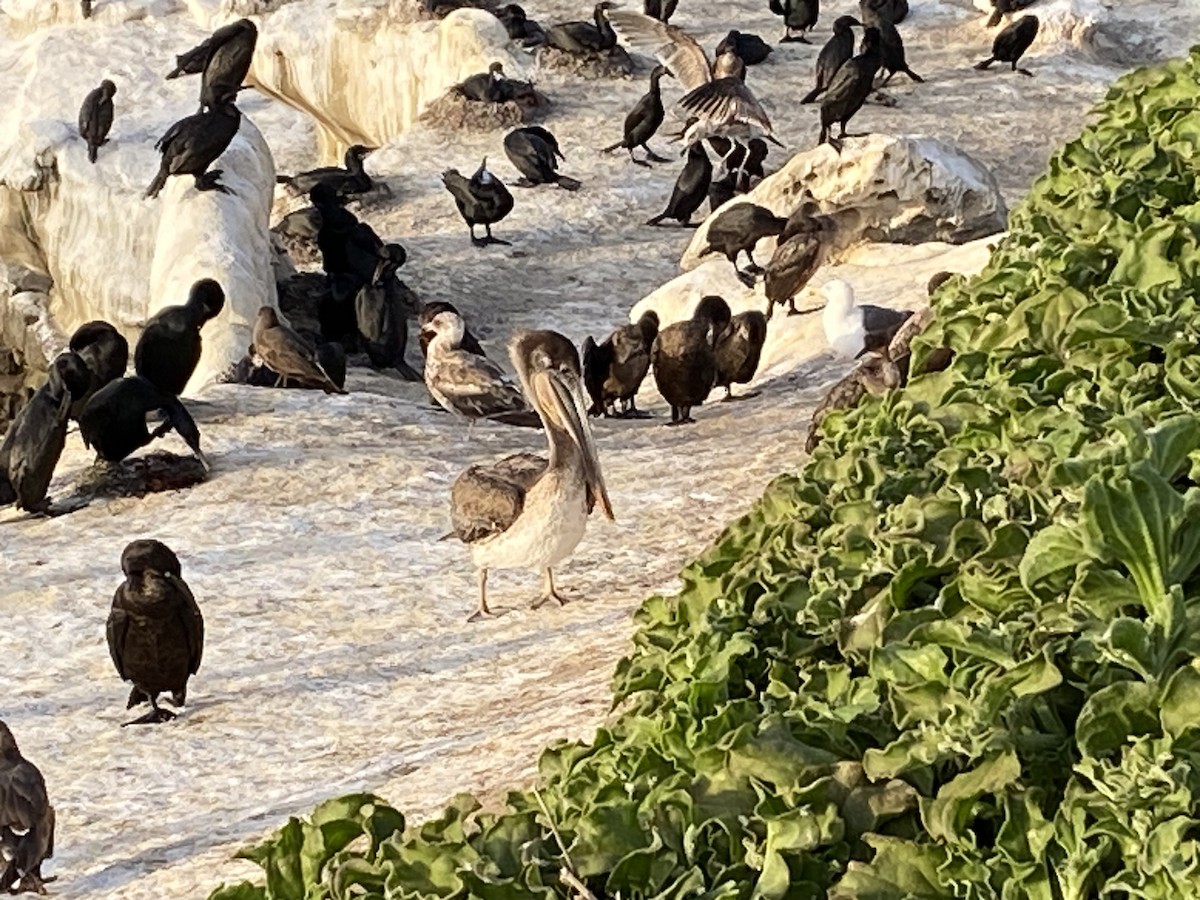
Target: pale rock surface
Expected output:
[900,189]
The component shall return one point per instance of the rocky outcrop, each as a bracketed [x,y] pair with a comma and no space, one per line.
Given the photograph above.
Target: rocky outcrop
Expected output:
[885,189]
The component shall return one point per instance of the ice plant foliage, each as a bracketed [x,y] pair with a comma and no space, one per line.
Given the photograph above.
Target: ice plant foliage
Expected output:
[957,656]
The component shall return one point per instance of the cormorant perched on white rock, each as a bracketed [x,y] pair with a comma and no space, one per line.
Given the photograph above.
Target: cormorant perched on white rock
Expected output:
[737,230]
[852,328]
[614,369]
[798,15]
[522,29]
[169,347]
[833,55]
[223,60]
[1011,43]
[155,629]
[287,354]
[104,351]
[36,437]
[26,821]
[482,199]
[691,187]
[685,362]
[892,58]
[345,182]
[644,120]
[849,90]
[584,37]
[381,311]
[534,152]
[96,117]
[739,343]
[802,249]
[526,512]
[114,421]
[193,144]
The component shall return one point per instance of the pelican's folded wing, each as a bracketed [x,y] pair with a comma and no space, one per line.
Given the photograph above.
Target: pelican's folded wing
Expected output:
[486,500]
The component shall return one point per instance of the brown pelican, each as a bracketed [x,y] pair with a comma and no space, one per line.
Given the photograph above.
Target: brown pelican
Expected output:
[466,384]
[525,512]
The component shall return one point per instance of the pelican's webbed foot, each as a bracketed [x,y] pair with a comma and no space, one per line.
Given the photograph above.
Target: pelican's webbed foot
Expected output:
[548,593]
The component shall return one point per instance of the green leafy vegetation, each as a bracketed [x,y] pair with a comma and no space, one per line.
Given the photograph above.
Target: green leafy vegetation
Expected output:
[955,657]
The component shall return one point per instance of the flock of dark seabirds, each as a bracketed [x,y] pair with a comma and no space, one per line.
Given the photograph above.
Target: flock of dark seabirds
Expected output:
[525,511]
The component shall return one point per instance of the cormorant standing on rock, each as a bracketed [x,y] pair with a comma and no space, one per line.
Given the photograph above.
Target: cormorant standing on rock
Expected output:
[691,187]
[685,361]
[614,369]
[644,119]
[584,37]
[798,15]
[26,821]
[345,182]
[534,152]
[833,55]
[223,58]
[891,47]
[803,246]
[749,48]
[381,313]
[849,89]
[104,351]
[482,199]
[114,420]
[155,629]
[193,144]
[169,347]
[660,9]
[429,311]
[36,437]
[484,87]
[287,354]
[737,230]
[96,117]
[1011,43]
[738,345]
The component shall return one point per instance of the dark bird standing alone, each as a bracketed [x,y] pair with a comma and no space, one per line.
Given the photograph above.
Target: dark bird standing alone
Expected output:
[798,15]
[381,310]
[849,89]
[104,351]
[833,55]
[26,821]
[169,347]
[287,354]
[96,117]
[614,369]
[114,420]
[691,187]
[482,199]
[1011,43]
[644,120]
[534,152]
[155,629]
[685,360]
[737,230]
[193,144]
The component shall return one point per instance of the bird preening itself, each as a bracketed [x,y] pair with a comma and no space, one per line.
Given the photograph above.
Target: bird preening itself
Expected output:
[96,117]
[684,359]
[534,152]
[222,60]
[193,144]
[525,511]
[104,351]
[614,369]
[26,821]
[803,246]
[114,421]
[169,347]
[1011,43]
[155,629]
[481,199]
[737,230]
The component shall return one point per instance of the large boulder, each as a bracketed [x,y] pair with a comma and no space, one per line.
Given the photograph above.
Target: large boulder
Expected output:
[886,189]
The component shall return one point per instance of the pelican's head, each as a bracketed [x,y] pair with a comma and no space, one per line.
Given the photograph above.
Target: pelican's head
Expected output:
[548,366]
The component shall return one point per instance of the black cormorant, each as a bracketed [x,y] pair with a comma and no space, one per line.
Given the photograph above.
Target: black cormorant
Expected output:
[685,361]
[169,347]
[614,369]
[482,199]
[1011,43]
[737,230]
[691,187]
[644,119]
[534,152]
[798,15]
[833,55]
[96,117]
[849,89]
[193,144]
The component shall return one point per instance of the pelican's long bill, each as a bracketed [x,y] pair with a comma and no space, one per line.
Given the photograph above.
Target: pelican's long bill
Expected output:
[566,394]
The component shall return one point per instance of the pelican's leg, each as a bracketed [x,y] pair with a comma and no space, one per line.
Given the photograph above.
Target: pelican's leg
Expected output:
[548,591]
[482,611]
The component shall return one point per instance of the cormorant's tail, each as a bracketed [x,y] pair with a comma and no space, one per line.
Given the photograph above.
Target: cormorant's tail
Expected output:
[811,96]
[283,179]
[92,148]
[569,184]
[985,63]
[995,19]
[157,184]
[617,146]
[914,76]
[657,219]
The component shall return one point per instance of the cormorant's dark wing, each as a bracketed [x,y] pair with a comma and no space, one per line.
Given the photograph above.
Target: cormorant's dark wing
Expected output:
[671,46]
[117,627]
[191,619]
[23,800]
[183,423]
[878,319]
[486,500]
[88,113]
[174,132]
[32,459]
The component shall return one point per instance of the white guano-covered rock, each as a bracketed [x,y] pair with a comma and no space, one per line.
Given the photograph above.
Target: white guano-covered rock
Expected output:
[108,252]
[886,189]
[366,73]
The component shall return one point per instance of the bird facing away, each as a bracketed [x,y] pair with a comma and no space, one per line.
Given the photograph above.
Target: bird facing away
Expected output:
[614,369]
[749,48]
[738,346]
[891,46]
[381,311]
[26,821]
[685,362]
[466,384]
[481,199]
[114,420]
[833,55]
[852,328]
[223,60]
[849,89]
[36,437]
[345,182]
[1011,43]
[798,15]
[169,347]
[287,354]
[803,246]
[737,230]
[581,38]
[644,120]
[193,144]
[104,351]
[155,629]
[894,11]
[534,152]
[524,511]
[717,101]
[425,334]
[691,187]
[96,117]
